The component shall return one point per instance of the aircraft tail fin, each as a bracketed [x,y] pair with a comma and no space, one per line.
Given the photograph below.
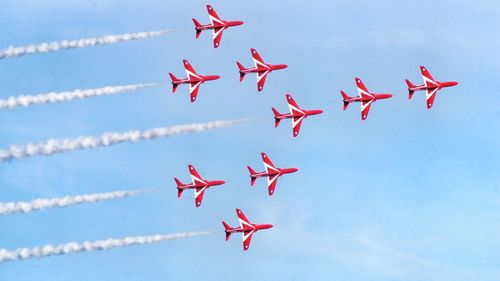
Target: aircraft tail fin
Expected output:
[276,119]
[410,86]
[197,25]
[226,229]
[174,82]
[241,68]
[252,175]
[345,97]
[179,184]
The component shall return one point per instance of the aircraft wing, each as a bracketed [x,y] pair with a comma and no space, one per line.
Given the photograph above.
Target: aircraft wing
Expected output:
[430,95]
[198,195]
[247,237]
[428,80]
[214,18]
[217,34]
[362,90]
[293,106]
[271,183]
[296,123]
[261,79]
[195,177]
[268,164]
[257,60]
[365,108]
[190,72]
[193,90]
[245,224]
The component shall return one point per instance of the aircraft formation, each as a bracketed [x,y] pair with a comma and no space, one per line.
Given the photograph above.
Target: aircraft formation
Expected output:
[296,114]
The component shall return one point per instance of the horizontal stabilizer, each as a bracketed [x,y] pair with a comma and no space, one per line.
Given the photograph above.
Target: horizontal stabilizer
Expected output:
[345,97]
[179,184]
[174,80]
[410,87]
[252,175]
[276,119]
[227,229]
[241,68]
[197,25]
[409,83]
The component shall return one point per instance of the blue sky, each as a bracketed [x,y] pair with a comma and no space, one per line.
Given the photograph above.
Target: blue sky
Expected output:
[409,194]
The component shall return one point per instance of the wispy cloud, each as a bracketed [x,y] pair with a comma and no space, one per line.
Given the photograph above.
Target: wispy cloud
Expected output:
[379,256]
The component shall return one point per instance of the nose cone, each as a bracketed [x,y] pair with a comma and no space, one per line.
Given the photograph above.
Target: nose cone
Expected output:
[238,22]
[292,170]
[453,83]
[266,226]
[218,182]
[211,77]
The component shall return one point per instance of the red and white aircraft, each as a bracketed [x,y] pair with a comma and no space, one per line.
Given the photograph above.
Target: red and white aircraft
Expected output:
[430,86]
[246,228]
[272,173]
[216,24]
[199,185]
[261,68]
[193,79]
[297,114]
[365,97]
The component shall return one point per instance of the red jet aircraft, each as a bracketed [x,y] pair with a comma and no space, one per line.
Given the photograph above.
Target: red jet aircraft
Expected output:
[272,173]
[199,185]
[217,25]
[261,68]
[365,97]
[297,114]
[430,86]
[193,79]
[246,228]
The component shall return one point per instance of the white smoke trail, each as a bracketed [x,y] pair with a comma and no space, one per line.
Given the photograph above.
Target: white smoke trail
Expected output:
[87,246]
[12,52]
[65,145]
[53,97]
[40,204]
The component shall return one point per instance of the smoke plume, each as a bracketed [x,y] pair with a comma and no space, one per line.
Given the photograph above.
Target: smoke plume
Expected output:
[53,146]
[87,246]
[53,97]
[40,204]
[12,52]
